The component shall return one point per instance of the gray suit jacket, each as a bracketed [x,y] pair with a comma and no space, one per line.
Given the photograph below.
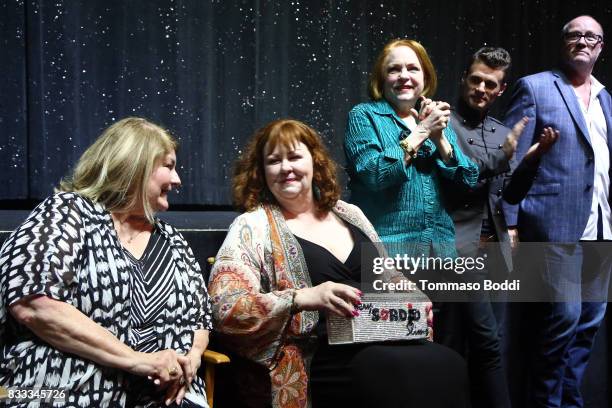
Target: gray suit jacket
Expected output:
[559,192]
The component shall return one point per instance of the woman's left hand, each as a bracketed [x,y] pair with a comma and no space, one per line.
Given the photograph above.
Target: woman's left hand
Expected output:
[177,389]
[190,363]
[195,361]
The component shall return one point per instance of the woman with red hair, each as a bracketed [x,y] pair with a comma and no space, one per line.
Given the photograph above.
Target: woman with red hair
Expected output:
[294,256]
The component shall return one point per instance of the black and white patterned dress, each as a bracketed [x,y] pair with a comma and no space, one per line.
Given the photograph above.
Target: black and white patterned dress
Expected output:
[68,249]
[152,286]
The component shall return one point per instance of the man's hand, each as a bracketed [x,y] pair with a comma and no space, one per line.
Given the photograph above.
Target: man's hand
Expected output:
[547,139]
[512,139]
[514,239]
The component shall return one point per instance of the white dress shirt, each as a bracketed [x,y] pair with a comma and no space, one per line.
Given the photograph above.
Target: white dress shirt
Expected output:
[598,134]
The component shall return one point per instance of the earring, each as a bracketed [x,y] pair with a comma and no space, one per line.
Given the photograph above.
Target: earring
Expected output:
[316,191]
[265,196]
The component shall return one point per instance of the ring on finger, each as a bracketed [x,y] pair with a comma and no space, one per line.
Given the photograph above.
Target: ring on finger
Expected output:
[172,371]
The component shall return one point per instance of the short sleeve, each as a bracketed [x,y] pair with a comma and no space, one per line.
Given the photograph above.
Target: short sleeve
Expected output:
[43,255]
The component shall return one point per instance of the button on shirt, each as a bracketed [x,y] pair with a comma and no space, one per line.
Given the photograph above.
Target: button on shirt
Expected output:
[596,125]
[480,139]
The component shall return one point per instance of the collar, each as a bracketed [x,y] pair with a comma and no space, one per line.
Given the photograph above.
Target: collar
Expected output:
[382,107]
[162,227]
[470,116]
[165,229]
[596,86]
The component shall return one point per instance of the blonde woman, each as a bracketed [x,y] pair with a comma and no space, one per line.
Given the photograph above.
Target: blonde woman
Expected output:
[97,296]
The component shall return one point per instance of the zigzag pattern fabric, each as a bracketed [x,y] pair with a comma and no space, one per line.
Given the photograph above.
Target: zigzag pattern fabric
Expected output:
[152,286]
[68,250]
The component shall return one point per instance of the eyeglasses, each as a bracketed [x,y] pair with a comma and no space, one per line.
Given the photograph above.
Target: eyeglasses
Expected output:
[590,38]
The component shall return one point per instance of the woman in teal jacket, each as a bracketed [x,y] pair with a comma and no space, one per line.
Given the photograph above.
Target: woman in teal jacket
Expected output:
[396,155]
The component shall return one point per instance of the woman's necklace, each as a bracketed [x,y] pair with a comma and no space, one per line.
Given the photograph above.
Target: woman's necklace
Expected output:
[131,238]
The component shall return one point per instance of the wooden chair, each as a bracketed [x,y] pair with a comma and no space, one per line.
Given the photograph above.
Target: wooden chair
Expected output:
[212,359]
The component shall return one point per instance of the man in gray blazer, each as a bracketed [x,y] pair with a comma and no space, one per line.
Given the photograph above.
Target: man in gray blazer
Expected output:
[567,201]
[472,327]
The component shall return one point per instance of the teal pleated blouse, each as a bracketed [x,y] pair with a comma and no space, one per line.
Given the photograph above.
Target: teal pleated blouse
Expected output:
[405,203]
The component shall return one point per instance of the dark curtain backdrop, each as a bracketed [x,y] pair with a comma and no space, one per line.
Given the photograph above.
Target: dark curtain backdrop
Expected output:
[214,71]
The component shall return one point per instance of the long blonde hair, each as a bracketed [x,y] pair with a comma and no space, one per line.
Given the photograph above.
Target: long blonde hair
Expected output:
[115,169]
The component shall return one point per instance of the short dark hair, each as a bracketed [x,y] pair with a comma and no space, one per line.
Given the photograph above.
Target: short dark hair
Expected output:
[493,57]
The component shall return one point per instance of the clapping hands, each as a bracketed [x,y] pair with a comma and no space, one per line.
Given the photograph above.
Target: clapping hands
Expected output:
[512,139]
[433,116]
[548,138]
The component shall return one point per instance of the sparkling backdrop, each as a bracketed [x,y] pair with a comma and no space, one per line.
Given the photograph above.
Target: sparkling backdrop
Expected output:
[214,71]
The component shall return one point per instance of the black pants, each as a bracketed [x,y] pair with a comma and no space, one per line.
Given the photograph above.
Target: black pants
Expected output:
[472,328]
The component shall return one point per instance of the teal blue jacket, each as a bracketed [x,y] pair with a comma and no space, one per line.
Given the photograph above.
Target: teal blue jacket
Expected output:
[405,203]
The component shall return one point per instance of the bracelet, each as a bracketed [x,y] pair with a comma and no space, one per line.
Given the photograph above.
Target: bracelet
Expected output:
[408,148]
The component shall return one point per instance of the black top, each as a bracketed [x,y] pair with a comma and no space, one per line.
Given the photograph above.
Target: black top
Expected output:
[323,266]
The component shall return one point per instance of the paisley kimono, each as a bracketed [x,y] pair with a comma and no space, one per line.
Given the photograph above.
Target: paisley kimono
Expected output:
[252,285]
